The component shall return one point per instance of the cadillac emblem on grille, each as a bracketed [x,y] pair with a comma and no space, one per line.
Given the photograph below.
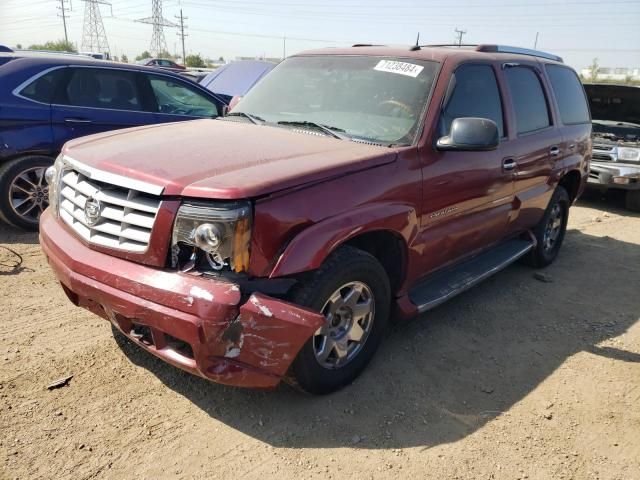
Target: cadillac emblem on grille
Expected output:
[92,211]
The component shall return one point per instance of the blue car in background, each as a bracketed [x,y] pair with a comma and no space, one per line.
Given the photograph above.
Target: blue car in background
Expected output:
[48,99]
[237,78]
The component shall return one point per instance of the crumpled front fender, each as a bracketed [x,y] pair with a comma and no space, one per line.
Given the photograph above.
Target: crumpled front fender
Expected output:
[267,335]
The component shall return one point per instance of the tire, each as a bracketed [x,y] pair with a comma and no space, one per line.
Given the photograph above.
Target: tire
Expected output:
[322,366]
[632,200]
[22,180]
[557,211]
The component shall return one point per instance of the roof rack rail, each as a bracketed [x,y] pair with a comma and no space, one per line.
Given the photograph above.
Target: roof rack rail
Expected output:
[465,45]
[518,51]
[367,45]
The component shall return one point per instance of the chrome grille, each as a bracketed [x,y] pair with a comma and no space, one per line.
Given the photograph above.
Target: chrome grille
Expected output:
[604,153]
[126,216]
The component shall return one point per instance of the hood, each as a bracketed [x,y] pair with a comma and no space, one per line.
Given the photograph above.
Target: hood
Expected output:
[223,159]
[617,103]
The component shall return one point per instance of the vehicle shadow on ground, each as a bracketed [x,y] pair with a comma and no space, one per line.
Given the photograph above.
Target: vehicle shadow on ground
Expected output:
[12,235]
[611,201]
[445,374]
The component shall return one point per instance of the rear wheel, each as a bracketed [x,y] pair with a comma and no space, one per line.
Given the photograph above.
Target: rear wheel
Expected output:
[352,291]
[24,193]
[550,230]
[632,200]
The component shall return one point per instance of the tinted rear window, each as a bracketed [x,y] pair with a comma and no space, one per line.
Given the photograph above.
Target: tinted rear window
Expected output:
[528,98]
[102,88]
[43,88]
[569,95]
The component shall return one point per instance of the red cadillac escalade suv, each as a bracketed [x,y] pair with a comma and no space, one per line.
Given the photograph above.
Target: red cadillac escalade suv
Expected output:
[348,187]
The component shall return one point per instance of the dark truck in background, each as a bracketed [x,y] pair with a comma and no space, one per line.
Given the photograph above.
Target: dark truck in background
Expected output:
[615,113]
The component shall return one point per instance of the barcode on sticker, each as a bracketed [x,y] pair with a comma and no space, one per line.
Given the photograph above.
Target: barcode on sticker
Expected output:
[402,68]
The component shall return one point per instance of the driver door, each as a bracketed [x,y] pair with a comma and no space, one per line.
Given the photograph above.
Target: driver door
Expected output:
[467,195]
[174,100]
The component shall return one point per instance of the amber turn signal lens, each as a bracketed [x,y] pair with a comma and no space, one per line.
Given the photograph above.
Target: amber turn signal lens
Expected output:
[241,245]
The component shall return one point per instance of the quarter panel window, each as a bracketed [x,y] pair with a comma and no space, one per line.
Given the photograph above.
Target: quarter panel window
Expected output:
[569,95]
[175,98]
[475,94]
[529,101]
[102,88]
[43,88]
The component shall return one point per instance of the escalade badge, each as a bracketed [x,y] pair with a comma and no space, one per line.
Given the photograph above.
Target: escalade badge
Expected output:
[92,211]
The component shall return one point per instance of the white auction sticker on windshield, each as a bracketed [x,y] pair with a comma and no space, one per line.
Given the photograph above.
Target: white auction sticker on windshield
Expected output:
[402,68]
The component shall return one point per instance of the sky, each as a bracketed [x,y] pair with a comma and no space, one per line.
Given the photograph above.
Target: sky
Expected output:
[579,31]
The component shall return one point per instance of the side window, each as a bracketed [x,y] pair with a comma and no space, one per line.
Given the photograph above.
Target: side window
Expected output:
[102,88]
[569,94]
[529,102]
[475,94]
[43,88]
[176,98]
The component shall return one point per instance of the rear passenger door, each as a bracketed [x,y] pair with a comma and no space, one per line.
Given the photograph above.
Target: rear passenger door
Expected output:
[93,100]
[537,142]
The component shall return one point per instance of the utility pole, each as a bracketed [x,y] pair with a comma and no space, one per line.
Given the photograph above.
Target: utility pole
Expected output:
[63,14]
[94,36]
[284,47]
[535,44]
[158,42]
[460,33]
[181,34]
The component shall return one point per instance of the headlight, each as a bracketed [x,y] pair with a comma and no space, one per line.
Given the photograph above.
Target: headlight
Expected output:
[216,236]
[52,176]
[628,154]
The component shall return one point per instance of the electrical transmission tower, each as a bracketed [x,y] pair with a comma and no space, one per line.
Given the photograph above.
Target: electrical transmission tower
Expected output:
[158,42]
[94,37]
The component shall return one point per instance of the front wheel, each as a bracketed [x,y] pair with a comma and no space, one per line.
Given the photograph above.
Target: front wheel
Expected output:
[24,193]
[352,291]
[550,230]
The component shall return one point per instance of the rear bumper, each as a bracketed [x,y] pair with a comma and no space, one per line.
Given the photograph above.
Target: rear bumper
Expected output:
[614,175]
[197,324]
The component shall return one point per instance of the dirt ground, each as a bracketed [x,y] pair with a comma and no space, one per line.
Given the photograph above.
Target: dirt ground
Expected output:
[517,378]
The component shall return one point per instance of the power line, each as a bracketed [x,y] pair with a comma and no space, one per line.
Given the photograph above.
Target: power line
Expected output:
[158,42]
[181,34]
[94,36]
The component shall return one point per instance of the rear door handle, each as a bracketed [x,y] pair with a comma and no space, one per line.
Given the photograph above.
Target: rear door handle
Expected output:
[508,164]
[554,151]
[77,120]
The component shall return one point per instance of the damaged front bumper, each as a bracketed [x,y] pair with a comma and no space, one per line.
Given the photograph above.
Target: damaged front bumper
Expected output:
[614,175]
[198,324]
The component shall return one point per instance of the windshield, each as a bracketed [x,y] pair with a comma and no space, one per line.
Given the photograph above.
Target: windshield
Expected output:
[379,99]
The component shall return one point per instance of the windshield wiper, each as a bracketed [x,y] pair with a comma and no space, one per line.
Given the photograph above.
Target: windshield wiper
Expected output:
[332,131]
[254,118]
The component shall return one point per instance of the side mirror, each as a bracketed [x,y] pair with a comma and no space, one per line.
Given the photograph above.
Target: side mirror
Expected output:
[234,101]
[470,134]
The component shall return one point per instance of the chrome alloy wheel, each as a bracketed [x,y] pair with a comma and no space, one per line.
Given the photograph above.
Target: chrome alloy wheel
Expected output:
[553,229]
[349,314]
[29,193]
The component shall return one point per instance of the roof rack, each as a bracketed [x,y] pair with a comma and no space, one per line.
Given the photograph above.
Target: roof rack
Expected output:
[518,51]
[501,49]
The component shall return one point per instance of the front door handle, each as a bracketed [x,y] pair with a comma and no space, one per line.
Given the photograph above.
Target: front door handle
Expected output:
[554,151]
[508,164]
[77,120]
